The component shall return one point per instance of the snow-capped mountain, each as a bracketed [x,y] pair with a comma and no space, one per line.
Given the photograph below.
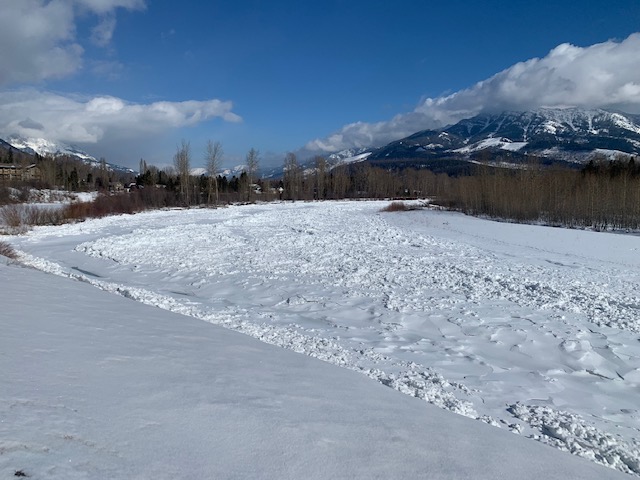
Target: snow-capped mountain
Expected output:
[7,146]
[350,155]
[44,147]
[560,134]
[234,171]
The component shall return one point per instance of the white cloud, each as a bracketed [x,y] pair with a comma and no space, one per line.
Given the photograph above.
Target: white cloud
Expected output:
[604,75]
[106,6]
[38,37]
[102,33]
[37,41]
[30,112]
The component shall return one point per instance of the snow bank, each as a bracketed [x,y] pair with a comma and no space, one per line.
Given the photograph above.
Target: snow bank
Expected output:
[98,386]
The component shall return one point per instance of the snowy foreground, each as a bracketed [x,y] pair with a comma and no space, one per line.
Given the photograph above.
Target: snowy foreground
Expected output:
[531,329]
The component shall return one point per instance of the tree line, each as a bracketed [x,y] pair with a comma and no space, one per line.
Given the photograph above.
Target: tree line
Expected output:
[68,173]
[175,185]
[604,194]
[317,181]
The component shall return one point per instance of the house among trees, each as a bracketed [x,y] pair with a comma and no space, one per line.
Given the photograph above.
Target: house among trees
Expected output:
[116,187]
[19,172]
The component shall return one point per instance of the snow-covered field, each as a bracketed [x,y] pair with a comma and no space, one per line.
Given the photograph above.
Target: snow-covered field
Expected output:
[531,329]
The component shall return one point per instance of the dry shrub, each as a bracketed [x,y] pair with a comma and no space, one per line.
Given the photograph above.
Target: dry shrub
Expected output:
[156,197]
[76,211]
[7,250]
[12,216]
[17,216]
[102,206]
[396,207]
[43,215]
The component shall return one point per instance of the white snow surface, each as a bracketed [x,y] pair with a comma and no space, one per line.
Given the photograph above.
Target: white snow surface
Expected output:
[529,328]
[98,386]
[501,143]
[612,154]
[46,147]
[624,122]
[353,159]
[237,171]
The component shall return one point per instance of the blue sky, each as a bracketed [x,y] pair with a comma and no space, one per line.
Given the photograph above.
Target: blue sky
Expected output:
[128,79]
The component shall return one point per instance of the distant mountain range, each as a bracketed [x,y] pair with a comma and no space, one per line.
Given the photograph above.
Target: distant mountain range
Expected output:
[563,135]
[553,135]
[43,147]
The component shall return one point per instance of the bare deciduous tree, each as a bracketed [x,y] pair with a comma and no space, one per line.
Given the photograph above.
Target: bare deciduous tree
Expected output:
[320,176]
[252,170]
[103,175]
[182,164]
[339,181]
[292,177]
[213,161]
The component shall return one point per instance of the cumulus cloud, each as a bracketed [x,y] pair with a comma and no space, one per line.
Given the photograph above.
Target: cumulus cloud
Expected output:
[33,113]
[38,37]
[37,41]
[604,75]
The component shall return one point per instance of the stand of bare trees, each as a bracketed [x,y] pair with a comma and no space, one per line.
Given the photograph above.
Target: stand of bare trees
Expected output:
[182,164]
[65,173]
[604,195]
[292,177]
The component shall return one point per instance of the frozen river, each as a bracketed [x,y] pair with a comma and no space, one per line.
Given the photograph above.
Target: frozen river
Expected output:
[529,328]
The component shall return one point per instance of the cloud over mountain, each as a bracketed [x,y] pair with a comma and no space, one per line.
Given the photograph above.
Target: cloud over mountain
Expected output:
[33,113]
[604,75]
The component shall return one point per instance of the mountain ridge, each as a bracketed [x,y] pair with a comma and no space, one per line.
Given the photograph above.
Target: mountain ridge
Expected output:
[44,148]
[571,135]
